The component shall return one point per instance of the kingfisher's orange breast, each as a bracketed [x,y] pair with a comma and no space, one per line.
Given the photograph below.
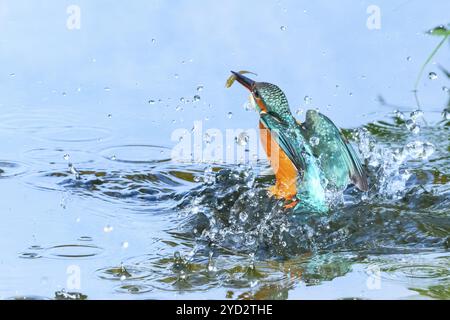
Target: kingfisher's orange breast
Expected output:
[285,172]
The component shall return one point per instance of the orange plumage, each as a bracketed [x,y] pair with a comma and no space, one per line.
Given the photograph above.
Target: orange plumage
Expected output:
[285,172]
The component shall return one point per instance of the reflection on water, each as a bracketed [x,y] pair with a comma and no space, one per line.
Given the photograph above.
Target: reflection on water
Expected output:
[10,169]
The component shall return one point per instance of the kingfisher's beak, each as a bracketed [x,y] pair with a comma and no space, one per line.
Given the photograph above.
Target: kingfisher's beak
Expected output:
[246,82]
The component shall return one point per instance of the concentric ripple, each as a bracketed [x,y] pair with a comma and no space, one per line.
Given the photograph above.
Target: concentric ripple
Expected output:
[74,134]
[60,156]
[137,154]
[73,251]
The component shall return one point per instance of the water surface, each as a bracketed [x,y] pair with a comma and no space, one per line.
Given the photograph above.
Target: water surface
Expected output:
[93,206]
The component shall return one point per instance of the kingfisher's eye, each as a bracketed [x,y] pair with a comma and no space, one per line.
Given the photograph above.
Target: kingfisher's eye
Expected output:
[256,94]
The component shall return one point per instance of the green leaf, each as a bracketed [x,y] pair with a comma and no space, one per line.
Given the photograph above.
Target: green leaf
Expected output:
[440,31]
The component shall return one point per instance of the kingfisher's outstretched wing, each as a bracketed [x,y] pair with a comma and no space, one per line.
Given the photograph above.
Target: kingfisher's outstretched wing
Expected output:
[338,159]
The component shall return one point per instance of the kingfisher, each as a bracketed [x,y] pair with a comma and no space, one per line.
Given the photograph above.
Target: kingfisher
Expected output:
[309,159]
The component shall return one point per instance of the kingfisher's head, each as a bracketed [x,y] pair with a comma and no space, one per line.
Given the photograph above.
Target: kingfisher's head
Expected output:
[267,97]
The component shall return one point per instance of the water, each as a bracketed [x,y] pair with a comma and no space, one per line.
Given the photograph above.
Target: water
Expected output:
[93,206]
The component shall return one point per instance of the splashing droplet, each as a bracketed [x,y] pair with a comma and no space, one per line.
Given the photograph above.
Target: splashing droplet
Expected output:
[66,157]
[125,244]
[207,138]
[432,76]
[408,58]
[419,150]
[416,114]
[230,115]
[307,99]
[108,228]
[74,171]
[196,98]
[399,114]
[314,141]
[412,126]
[151,101]
[242,138]
[283,28]
[243,216]
[446,114]
[107,88]
[200,88]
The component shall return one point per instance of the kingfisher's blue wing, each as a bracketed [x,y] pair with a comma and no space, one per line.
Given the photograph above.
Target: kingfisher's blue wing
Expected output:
[338,159]
[286,138]
[310,189]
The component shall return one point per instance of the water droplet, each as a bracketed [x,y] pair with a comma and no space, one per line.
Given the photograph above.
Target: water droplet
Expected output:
[207,138]
[283,28]
[432,76]
[200,88]
[445,89]
[416,114]
[408,58]
[299,111]
[12,75]
[230,115]
[412,126]
[125,244]
[420,150]
[242,138]
[74,171]
[108,228]
[196,98]
[350,94]
[307,99]
[446,114]
[113,158]
[66,157]
[182,100]
[243,216]
[123,277]
[151,101]
[153,40]
[64,94]
[176,75]
[399,114]
[107,88]
[109,115]
[314,141]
